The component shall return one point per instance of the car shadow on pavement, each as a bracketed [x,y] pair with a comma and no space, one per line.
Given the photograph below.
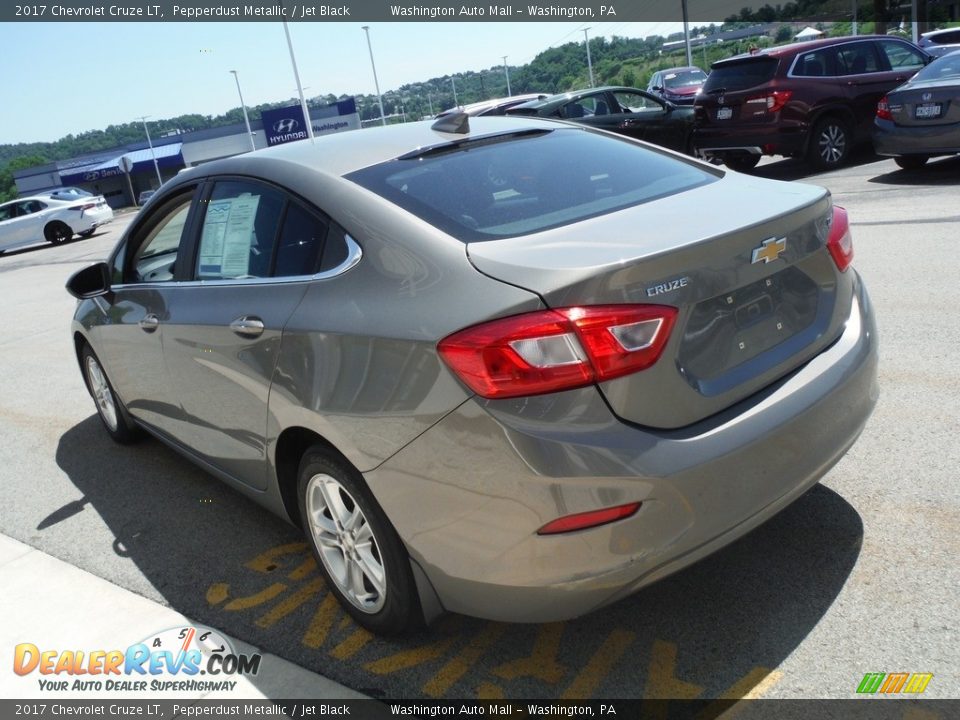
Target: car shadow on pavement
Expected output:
[799,169]
[719,627]
[944,171]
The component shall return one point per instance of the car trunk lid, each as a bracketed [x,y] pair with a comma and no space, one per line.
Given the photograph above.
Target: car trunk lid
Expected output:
[757,292]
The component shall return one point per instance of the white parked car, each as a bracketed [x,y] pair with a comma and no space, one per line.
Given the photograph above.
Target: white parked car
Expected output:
[52,217]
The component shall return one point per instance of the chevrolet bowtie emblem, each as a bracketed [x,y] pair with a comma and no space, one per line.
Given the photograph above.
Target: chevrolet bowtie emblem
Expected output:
[770,250]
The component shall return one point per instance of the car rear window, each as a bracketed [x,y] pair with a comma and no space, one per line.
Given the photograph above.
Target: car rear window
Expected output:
[740,74]
[492,188]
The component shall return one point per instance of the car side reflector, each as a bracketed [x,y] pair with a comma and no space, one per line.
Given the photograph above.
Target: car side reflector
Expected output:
[840,241]
[593,518]
[552,350]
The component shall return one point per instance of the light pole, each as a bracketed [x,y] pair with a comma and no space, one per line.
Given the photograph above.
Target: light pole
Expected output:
[246,119]
[686,31]
[153,154]
[586,41]
[506,71]
[376,83]
[453,82]
[296,75]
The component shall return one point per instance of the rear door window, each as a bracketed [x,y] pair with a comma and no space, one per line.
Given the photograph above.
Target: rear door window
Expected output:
[819,63]
[740,74]
[857,59]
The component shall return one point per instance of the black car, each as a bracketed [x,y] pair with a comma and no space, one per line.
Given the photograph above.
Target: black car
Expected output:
[624,110]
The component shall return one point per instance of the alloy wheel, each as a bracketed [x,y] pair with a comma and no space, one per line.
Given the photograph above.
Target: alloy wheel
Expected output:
[102,394]
[346,543]
[832,144]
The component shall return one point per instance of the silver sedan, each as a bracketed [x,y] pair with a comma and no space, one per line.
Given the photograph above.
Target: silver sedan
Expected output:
[506,367]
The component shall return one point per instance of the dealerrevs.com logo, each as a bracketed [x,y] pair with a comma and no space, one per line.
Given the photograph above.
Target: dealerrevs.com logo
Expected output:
[184,659]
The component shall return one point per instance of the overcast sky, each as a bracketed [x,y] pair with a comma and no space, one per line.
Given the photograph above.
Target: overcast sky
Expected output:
[74,77]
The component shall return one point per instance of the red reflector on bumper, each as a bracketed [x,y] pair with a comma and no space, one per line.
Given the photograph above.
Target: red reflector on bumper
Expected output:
[582,521]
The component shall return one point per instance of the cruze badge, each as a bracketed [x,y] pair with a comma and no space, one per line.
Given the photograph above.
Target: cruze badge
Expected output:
[769,250]
[668,286]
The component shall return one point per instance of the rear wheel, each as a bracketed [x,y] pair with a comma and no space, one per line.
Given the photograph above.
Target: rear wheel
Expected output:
[362,558]
[829,144]
[117,421]
[57,232]
[911,162]
[741,163]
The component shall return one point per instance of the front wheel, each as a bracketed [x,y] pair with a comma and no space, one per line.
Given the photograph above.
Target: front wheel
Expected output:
[57,232]
[362,558]
[911,162]
[118,423]
[829,144]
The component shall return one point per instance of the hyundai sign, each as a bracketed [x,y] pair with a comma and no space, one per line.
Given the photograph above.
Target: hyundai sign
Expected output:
[284,125]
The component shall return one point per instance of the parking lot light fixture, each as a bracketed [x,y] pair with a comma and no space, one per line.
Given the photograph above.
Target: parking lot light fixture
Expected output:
[246,118]
[153,152]
[506,72]
[376,83]
[453,83]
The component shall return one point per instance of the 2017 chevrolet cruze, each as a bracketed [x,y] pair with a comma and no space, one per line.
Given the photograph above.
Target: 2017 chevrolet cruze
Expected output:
[506,367]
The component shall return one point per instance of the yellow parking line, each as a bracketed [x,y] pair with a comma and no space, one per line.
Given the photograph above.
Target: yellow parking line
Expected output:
[661,681]
[267,561]
[217,593]
[316,634]
[304,595]
[752,686]
[305,568]
[542,663]
[410,658]
[352,645]
[587,681]
[450,673]
[265,595]
[489,691]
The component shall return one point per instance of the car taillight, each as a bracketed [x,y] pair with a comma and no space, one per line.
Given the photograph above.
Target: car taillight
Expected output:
[81,208]
[552,350]
[840,241]
[771,102]
[593,518]
[883,109]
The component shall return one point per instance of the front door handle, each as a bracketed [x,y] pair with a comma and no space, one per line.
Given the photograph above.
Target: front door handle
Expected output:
[247,326]
[149,323]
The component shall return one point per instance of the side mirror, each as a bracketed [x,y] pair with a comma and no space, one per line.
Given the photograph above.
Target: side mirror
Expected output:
[657,88]
[90,282]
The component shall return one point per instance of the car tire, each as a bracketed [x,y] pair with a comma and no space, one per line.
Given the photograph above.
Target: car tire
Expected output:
[829,143]
[114,416]
[57,232]
[359,552]
[911,162]
[741,163]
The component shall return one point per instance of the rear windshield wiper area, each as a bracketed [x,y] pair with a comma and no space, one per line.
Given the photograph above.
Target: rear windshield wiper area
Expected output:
[468,143]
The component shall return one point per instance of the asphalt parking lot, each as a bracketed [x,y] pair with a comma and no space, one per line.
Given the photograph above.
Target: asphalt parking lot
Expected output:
[858,576]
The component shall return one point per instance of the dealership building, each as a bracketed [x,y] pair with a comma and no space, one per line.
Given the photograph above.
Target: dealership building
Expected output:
[121,174]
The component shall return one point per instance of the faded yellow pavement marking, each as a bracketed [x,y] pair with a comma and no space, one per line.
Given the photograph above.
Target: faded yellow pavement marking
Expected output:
[265,595]
[322,622]
[217,593]
[662,683]
[542,663]
[450,673]
[410,658]
[489,691]
[587,681]
[304,595]
[270,560]
[752,686]
[305,568]
[352,645]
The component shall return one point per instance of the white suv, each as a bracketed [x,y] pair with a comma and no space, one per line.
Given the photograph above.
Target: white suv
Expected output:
[51,217]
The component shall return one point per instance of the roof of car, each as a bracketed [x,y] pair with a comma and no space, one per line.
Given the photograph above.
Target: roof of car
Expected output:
[339,154]
[798,47]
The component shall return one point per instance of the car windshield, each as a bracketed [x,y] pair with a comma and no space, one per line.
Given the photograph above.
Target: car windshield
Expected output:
[943,68]
[740,74]
[501,187]
[684,78]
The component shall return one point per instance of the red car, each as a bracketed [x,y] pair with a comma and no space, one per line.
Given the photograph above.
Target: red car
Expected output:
[812,99]
[679,85]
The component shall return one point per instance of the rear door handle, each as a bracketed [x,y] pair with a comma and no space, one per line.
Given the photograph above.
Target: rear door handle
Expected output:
[247,326]
[149,323]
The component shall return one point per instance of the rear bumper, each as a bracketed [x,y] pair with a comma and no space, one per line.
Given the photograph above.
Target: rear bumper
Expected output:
[468,496]
[893,140]
[772,139]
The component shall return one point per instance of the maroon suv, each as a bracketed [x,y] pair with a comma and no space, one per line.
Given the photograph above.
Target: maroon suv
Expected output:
[812,99]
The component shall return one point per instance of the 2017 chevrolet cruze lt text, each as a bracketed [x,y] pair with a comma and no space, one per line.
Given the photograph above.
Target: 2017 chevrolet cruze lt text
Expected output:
[507,367]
